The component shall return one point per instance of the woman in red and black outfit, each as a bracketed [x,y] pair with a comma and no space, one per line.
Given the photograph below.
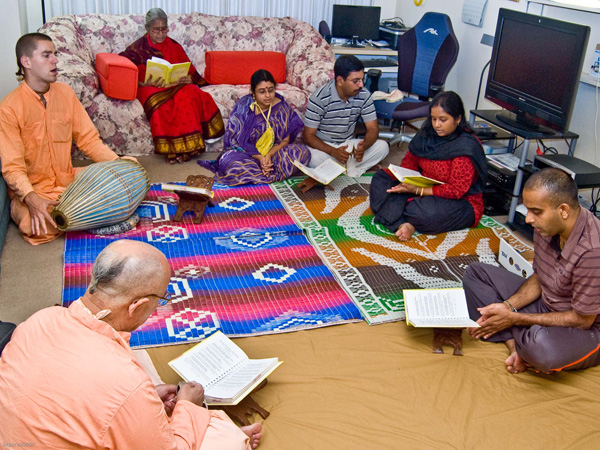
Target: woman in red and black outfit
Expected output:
[182,116]
[443,149]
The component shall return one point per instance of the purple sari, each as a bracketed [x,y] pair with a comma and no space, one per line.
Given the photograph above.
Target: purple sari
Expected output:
[237,166]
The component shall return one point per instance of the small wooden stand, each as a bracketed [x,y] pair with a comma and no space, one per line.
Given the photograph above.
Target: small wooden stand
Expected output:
[308,183]
[447,336]
[246,407]
[194,202]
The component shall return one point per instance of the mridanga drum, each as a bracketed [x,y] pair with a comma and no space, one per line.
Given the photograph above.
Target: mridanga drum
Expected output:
[103,194]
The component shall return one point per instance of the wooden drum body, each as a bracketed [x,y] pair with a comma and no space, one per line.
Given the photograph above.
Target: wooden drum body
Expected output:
[103,194]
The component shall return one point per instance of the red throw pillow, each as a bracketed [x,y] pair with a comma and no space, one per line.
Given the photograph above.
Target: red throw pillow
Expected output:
[236,67]
[118,76]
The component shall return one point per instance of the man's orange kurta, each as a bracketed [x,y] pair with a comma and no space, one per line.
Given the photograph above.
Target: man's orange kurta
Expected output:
[70,381]
[35,147]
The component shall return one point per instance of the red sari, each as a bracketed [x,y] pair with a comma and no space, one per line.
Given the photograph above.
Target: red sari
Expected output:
[181,117]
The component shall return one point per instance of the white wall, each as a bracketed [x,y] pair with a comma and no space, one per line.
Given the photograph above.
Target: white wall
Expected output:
[464,77]
[388,8]
[10,25]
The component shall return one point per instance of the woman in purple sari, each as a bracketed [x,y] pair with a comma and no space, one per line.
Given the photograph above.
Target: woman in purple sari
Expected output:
[252,153]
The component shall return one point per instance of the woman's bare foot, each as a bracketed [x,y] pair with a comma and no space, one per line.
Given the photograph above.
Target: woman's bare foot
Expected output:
[405,231]
[254,433]
[515,364]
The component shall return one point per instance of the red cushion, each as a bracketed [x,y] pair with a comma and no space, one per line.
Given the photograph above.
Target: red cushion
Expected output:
[118,76]
[238,67]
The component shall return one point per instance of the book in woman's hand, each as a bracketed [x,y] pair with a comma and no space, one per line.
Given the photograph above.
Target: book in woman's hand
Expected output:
[160,68]
[223,369]
[413,177]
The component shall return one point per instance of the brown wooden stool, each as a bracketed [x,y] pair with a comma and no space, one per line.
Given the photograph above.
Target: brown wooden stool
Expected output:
[245,408]
[447,336]
[192,201]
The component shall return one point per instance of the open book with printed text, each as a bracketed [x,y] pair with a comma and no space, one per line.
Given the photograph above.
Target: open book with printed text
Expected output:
[223,369]
[160,68]
[413,177]
[324,173]
[191,189]
[437,308]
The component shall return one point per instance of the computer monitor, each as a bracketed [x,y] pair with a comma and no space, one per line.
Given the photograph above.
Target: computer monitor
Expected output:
[355,23]
[534,71]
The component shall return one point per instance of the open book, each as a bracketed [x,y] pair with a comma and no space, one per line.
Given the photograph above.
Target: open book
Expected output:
[223,369]
[325,172]
[191,189]
[160,68]
[437,308]
[413,177]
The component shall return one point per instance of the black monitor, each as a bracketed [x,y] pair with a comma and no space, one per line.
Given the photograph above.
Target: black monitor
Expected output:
[355,23]
[534,71]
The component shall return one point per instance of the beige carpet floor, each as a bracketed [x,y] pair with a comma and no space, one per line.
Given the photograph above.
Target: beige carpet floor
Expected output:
[357,386]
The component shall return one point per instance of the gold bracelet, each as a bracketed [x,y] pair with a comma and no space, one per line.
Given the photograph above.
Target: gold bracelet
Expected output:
[422,189]
[510,306]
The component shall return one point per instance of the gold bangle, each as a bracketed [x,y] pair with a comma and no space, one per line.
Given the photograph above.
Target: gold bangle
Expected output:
[422,189]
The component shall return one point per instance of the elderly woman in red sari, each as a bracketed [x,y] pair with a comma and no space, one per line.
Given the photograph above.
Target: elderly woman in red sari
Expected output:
[259,140]
[182,116]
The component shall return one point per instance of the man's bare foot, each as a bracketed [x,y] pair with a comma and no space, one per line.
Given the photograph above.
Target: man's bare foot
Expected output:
[515,364]
[254,433]
[405,231]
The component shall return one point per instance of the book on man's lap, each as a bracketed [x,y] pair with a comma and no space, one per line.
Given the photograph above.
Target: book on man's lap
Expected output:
[223,369]
[324,173]
[437,308]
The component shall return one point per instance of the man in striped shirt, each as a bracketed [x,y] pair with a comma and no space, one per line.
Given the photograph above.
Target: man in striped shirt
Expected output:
[331,117]
[550,321]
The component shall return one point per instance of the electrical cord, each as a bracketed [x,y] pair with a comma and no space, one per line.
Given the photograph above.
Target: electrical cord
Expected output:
[546,148]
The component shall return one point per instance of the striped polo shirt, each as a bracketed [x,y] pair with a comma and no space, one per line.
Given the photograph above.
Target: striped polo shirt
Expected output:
[334,118]
[570,279]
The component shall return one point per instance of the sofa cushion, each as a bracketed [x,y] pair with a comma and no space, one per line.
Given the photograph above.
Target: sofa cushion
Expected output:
[123,125]
[236,67]
[118,76]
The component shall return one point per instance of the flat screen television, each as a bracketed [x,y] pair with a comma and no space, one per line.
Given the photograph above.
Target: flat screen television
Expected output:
[355,23]
[534,71]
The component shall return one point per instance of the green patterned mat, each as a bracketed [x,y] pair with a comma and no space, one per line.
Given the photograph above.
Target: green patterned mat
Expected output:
[369,261]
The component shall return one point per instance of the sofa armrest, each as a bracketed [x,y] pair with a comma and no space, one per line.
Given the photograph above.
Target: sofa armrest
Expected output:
[310,60]
[75,57]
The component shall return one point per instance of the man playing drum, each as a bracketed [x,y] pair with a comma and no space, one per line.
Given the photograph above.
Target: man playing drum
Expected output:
[39,120]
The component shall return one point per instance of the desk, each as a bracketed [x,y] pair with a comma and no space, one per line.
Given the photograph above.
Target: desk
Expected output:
[369,51]
[490,116]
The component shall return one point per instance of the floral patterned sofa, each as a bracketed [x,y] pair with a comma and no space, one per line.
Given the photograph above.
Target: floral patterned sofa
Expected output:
[122,124]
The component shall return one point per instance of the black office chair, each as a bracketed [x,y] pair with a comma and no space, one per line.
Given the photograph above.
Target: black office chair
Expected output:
[325,31]
[426,53]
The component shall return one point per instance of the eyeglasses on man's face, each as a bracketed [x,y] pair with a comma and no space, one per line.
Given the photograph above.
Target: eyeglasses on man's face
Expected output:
[355,81]
[162,301]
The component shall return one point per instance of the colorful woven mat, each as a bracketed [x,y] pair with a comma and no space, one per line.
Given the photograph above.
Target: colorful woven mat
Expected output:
[246,270]
[369,261]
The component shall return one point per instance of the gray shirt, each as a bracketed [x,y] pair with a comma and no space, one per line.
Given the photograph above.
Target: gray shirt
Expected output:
[334,118]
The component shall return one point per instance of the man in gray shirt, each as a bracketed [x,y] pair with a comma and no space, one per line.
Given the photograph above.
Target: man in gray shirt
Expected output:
[331,117]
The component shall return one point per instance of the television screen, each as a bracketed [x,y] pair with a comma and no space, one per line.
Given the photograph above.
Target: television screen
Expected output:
[355,22]
[534,71]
